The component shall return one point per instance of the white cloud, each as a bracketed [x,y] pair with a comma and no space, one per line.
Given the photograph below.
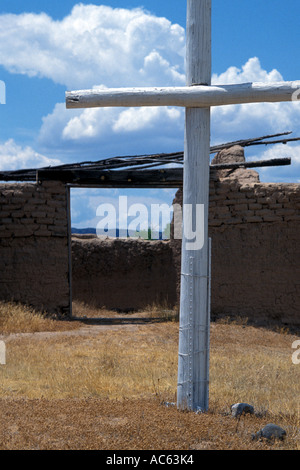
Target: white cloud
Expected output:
[94,45]
[290,173]
[98,46]
[15,157]
[250,72]
[85,203]
[112,131]
[91,123]
[281,151]
[134,119]
[252,120]
[154,61]
[54,123]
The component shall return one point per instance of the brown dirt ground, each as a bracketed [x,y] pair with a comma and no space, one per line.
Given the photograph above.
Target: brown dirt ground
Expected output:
[94,424]
[128,424]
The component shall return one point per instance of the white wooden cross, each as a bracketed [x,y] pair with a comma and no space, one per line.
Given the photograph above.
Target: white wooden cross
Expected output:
[197,97]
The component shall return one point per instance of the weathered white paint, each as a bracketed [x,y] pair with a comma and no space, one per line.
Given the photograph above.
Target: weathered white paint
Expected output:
[198,96]
[192,388]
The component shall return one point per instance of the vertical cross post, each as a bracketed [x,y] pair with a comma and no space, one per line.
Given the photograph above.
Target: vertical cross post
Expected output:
[193,359]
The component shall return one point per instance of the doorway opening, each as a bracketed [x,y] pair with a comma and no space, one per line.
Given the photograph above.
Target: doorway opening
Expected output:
[121,257]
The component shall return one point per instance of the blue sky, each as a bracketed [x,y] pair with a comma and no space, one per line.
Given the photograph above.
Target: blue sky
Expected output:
[50,46]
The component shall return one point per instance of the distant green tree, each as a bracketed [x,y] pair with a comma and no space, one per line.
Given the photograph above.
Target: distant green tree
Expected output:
[167,232]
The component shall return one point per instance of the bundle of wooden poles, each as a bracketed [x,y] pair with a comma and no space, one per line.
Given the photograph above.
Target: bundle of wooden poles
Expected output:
[143,162]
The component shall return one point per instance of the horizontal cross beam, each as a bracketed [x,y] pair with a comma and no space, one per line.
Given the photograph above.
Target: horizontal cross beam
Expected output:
[198,96]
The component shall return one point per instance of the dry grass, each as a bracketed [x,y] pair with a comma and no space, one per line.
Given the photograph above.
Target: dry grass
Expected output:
[125,373]
[82,310]
[154,311]
[17,318]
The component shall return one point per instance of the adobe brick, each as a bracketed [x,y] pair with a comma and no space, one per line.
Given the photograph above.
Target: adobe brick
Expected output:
[41,232]
[4,214]
[275,206]
[254,218]
[234,220]
[222,210]
[264,212]
[285,212]
[38,214]
[272,218]
[241,207]
[22,231]
[17,214]
[255,206]
[215,222]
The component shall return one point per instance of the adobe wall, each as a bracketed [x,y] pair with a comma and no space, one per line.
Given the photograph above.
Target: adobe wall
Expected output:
[255,252]
[123,274]
[34,245]
[255,230]
[256,262]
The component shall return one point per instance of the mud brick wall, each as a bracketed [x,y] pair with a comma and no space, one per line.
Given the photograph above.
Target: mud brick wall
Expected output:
[255,229]
[123,274]
[34,245]
[255,232]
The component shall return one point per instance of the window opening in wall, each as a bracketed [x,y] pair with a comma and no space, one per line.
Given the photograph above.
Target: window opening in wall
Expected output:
[120,252]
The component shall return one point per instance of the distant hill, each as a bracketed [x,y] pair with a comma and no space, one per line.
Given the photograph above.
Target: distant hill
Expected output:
[84,230]
[92,230]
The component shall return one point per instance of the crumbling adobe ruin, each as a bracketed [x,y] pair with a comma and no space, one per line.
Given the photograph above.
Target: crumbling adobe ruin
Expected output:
[254,229]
